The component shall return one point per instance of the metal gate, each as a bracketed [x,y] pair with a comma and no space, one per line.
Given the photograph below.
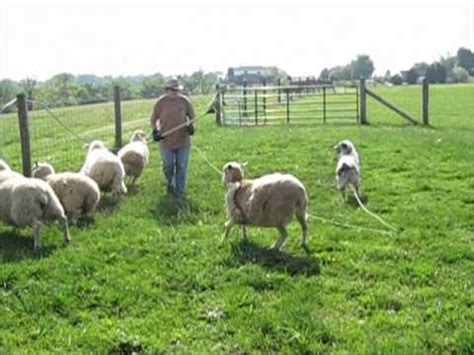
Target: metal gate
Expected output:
[271,105]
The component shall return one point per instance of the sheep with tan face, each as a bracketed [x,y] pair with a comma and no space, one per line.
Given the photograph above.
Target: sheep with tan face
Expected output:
[78,194]
[269,201]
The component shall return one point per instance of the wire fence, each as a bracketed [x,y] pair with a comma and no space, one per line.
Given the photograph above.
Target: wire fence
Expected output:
[59,135]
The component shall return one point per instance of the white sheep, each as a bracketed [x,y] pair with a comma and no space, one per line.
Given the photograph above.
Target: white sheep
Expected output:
[78,193]
[4,165]
[105,168]
[269,201]
[135,156]
[348,167]
[7,173]
[29,202]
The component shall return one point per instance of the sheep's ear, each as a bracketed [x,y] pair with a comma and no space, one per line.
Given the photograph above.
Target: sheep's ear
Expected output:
[245,164]
[85,146]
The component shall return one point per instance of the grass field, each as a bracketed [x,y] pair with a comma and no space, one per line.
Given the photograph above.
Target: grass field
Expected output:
[149,275]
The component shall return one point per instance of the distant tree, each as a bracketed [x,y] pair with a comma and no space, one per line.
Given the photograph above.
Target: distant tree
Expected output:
[459,75]
[421,68]
[324,75]
[128,91]
[396,79]
[28,86]
[388,76]
[362,67]
[465,58]
[411,76]
[340,73]
[436,73]
[448,62]
[8,90]
[57,90]
[152,86]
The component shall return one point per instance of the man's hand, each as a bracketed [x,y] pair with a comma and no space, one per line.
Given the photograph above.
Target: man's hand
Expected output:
[156,134]
[190,128]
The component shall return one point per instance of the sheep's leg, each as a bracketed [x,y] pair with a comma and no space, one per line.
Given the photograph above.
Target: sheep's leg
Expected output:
[282,240]
[228,226]
[37,226]
[65,226]
[303,220]
[244,232]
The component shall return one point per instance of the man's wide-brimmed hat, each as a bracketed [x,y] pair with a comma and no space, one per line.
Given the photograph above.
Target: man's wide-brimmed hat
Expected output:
[173,84]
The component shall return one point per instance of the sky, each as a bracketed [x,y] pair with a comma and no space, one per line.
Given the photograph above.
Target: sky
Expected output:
[40,40]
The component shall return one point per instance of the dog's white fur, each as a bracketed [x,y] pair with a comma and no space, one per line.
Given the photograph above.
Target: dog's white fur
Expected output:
[348,167]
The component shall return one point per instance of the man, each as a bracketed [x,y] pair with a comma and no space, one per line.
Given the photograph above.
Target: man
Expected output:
[171,110]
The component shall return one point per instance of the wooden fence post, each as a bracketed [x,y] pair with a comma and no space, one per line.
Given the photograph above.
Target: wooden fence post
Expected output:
[279,90]
[118,117]
[24,134]
[426,102]
[363,103]
[217,106]
[265,98]
[288,105]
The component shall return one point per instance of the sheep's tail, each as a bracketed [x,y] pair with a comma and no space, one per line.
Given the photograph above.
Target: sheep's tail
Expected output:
[372,214]
[301,207]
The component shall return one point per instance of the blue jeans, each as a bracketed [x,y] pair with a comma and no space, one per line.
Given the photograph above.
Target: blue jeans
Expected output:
[175,168]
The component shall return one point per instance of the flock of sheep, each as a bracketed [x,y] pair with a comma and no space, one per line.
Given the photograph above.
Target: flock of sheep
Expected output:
[63,197]
[269,201]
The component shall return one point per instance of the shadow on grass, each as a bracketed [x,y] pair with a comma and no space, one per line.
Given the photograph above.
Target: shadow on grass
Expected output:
[133,189]
[85,222]
[246,251]
[15,247]
[108,204]
[172,210]
[351,200]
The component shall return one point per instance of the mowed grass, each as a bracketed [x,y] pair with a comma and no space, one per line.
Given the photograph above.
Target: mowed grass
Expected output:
[149,274]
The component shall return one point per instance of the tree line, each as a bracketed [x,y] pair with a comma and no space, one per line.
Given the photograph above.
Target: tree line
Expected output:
[66,89]
[449,69]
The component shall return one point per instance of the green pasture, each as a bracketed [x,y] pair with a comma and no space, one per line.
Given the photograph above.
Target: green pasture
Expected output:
[149,274]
